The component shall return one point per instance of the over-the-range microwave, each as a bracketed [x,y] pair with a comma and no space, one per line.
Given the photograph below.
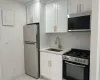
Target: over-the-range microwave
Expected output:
[79,21]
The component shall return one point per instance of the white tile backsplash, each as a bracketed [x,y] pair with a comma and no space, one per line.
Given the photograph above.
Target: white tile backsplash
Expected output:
[69,40]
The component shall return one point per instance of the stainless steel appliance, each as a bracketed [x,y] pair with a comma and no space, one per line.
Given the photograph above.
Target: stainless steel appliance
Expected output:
[76,65]
[31,49]
[79,21]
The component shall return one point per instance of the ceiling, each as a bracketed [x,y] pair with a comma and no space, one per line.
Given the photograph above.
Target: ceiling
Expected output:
[25,1]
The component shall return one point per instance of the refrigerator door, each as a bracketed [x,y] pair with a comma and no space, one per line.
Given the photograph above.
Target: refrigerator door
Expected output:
[30,33]
[31,59]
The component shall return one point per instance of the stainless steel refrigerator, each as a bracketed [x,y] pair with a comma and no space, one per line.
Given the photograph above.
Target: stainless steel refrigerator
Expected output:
[32,50]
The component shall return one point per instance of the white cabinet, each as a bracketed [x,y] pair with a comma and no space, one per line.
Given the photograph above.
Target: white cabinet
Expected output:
[86,5]
[0,18]
[29,14]
[51,66]
[33,12]
[62,16]
[56,67]
[77,6]
[45,64]
[51,18]
[36,12]
[8,17]
[56,17]
[73,6]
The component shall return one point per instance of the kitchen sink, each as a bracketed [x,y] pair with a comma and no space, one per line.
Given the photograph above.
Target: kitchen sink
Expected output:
[56,50]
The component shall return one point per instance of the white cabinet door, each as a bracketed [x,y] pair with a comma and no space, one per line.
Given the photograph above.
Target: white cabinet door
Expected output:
[86,5]
[50,18]
[62,16]
[33,12]
[77,6]
[56,67]
[51,66]
[36,12]
[0,71]
[0,19]
[44,64]
[73,6]
[56,17]
[29,14]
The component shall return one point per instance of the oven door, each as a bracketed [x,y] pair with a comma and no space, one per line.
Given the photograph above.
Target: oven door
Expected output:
[73,71]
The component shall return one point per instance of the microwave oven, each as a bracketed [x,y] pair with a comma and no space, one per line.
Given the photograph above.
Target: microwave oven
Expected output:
[79,21]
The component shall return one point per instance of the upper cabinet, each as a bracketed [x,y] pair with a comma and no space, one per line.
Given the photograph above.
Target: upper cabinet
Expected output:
[72,6]
[51,18]
[62,16]
[33,12]
[56,13]
[87,5]
[77,6]
[0,19]
[56,17]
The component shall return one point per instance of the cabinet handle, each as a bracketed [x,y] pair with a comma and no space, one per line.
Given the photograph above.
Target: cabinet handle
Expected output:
[77,8]
[50,63]
[80,7]
[55,28]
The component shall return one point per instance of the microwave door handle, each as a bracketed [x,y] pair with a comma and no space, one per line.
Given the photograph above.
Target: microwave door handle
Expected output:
[74,64]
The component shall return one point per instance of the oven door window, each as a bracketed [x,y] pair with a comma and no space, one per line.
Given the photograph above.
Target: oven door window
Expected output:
[74,71]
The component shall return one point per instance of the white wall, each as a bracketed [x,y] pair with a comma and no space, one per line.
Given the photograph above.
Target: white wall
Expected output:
[95,41]
[11,42]
[70,40]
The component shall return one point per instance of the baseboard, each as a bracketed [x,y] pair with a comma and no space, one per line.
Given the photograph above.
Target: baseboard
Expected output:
[43,77]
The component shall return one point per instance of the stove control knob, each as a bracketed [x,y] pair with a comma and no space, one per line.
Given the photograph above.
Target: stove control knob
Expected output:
[66,58]
[75,60]
[78,60]
[83,61]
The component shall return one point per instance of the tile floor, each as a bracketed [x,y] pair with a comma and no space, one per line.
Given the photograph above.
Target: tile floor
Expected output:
[27,78]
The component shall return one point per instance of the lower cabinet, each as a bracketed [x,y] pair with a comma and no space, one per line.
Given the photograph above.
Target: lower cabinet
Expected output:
[51,66]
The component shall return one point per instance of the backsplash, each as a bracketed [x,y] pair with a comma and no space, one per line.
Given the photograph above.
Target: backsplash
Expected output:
[69,40]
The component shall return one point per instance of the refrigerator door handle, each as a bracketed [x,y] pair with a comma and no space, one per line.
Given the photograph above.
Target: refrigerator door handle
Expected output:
[37,37]
[37,45]
[37,40]
[29,42]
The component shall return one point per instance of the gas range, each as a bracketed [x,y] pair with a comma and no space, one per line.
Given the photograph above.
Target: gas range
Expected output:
[77,56]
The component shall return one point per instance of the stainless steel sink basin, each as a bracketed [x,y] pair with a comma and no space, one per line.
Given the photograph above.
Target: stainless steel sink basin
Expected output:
[56,50]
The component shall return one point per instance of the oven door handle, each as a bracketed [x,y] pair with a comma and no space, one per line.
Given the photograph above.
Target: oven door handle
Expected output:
[74,64]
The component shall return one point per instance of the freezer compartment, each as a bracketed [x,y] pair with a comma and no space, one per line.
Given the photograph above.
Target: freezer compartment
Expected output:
[31,33]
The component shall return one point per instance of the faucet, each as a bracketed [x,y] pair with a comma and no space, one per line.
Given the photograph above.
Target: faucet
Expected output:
[59,45]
